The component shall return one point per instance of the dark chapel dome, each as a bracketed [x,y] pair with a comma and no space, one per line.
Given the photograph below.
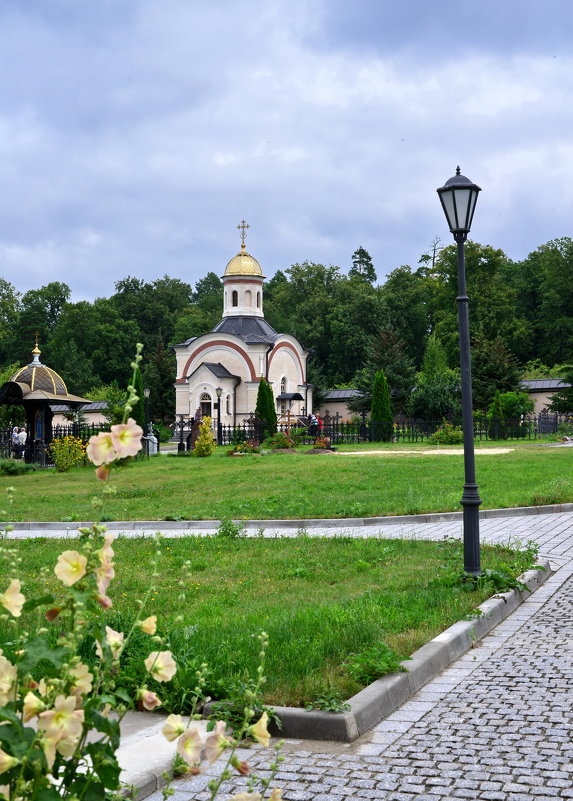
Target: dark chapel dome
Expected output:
[37,376]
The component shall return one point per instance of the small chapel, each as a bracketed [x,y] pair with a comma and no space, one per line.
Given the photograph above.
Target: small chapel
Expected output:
[226,364]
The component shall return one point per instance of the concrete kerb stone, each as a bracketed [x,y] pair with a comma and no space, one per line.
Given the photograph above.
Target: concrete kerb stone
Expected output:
[166,525]
[385,695]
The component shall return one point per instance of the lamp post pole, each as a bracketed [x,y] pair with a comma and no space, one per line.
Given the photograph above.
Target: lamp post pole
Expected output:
[458,197]
[219,392]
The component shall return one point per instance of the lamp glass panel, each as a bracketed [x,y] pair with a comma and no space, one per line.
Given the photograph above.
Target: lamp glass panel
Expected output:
[473,202]
[447,199]
[463,198]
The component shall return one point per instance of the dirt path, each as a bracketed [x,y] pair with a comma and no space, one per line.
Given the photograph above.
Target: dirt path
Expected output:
[430,452]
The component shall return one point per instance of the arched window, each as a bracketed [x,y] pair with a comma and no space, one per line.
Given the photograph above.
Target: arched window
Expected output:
[248,298]
[206,405]
[283,385]
[258,300]
[228,404]
[235,298]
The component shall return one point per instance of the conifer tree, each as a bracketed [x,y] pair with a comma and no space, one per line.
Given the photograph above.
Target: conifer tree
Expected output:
[265,410]
[497,428]
[381,413]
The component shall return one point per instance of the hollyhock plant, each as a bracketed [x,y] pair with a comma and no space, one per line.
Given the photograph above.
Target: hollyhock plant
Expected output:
[62,692]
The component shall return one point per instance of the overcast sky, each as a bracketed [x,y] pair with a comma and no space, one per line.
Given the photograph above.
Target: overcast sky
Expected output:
[136,134]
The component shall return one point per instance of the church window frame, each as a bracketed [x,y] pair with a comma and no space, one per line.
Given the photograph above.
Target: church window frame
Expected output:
[258,300]
[248,298]
[205,399]
[234,298]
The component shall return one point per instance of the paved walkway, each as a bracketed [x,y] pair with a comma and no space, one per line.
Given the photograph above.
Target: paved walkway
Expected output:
[497,725]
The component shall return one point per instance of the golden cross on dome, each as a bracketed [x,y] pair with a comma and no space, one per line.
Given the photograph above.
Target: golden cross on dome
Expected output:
[243,229]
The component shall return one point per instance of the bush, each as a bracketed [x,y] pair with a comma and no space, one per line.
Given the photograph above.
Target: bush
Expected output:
[67,452]
[163,433]
[373,662]
[278,440]
[15,467]
[206,442]
[447,434]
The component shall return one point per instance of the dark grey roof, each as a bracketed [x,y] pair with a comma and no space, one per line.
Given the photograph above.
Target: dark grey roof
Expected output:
[541,384]
[94,406]
[249,329]
[184,344]
[218,370]
[342,394]
[290,396]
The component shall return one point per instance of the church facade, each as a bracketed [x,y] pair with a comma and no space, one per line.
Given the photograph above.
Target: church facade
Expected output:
[228,362]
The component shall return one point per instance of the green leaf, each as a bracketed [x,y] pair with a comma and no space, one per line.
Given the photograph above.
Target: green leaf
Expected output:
[32,603]
[38,650]
[105,764]
[47,794]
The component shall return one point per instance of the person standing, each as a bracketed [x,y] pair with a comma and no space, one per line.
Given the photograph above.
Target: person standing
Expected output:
[22,436]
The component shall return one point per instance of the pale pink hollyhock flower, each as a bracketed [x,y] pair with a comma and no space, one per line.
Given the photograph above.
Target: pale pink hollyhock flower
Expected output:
[216,743]
[115,641]
[12,599]
[149,700]
[82,680]
[189,746]
[32,706]
[100,449]
[64,721]
[276,794]
[246,797]
[173,728]
[70,567]
[161,665]
[5,791]
[126,438]
[7,762]
[259,730]
[104,601]
[149,625]
[8,673]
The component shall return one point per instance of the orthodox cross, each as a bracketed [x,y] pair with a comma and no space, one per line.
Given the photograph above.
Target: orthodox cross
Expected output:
[243,229]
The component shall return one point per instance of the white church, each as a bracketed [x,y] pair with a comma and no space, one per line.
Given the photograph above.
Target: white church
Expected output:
[228,362]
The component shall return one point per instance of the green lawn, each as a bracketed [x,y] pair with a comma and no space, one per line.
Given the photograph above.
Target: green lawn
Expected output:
[320,601]
[295,486]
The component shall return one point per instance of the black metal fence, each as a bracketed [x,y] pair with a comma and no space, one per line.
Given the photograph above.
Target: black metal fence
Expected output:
[404,430]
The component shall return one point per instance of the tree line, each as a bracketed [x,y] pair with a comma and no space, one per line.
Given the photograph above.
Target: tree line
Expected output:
[521,323]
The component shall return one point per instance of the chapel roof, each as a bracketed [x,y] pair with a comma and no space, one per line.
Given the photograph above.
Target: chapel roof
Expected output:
[39,377]
[252,330]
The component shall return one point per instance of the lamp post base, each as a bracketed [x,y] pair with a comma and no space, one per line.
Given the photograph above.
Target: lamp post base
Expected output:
[471,502]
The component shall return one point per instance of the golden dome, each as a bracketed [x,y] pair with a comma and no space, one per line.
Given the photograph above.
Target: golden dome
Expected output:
[38,376]
[243,264]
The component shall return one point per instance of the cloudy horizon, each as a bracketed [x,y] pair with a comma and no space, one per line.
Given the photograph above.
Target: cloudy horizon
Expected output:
[136,134]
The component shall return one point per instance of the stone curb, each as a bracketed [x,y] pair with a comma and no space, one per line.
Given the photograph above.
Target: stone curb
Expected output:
[166,525]
[146,756]
[384,696]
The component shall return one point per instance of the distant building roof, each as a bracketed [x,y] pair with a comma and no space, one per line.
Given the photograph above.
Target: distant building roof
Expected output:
[94,406]
[342,394]
[543,384]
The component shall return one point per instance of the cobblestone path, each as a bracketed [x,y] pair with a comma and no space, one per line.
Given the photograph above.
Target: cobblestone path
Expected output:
[497,725]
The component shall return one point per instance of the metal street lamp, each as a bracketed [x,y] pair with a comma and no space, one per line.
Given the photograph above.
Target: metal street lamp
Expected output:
[146,393]
[458,197]
[219,392]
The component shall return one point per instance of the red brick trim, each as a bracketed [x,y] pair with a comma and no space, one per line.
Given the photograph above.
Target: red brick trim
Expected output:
[294,350]
[226,344]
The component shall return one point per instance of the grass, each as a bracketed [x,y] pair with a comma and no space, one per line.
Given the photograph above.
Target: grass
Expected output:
[321,601]
[294,486]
